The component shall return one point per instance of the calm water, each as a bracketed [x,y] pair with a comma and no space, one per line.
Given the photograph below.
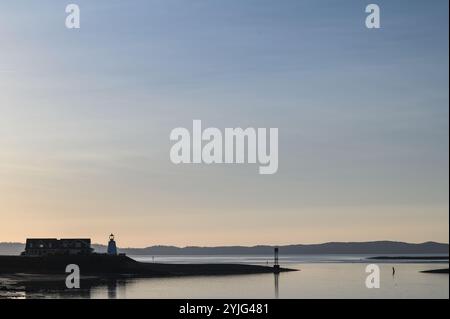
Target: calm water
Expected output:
[319,277]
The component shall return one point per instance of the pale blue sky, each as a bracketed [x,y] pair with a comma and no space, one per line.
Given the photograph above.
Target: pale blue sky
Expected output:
[85,117]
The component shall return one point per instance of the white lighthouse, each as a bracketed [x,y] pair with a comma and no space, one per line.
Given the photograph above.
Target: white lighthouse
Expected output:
[112,249]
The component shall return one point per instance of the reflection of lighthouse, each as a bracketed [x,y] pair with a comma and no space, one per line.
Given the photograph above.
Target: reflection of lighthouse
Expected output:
[112,249]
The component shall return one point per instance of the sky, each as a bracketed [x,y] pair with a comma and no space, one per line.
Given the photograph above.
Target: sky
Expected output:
[86,114]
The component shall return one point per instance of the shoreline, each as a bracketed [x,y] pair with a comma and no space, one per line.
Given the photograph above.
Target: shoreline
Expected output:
[121,265]
[436,271]
[421,258]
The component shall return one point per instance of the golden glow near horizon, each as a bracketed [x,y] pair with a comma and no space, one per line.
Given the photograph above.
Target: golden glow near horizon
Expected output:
[86,114]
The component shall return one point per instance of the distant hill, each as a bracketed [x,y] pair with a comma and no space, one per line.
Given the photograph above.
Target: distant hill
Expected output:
[11,248]
[370,248]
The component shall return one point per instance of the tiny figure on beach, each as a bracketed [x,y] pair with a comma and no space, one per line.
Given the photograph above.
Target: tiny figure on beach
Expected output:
[393,271]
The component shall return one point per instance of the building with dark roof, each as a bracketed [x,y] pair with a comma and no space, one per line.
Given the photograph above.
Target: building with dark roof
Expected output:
[53,246]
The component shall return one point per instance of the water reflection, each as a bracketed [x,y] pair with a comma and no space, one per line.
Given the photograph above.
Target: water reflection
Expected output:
[32,287]
[324,280]
[277,288]
[112,289]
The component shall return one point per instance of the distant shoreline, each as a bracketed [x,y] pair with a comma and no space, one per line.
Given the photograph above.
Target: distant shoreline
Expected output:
[373,248]
[409,258]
